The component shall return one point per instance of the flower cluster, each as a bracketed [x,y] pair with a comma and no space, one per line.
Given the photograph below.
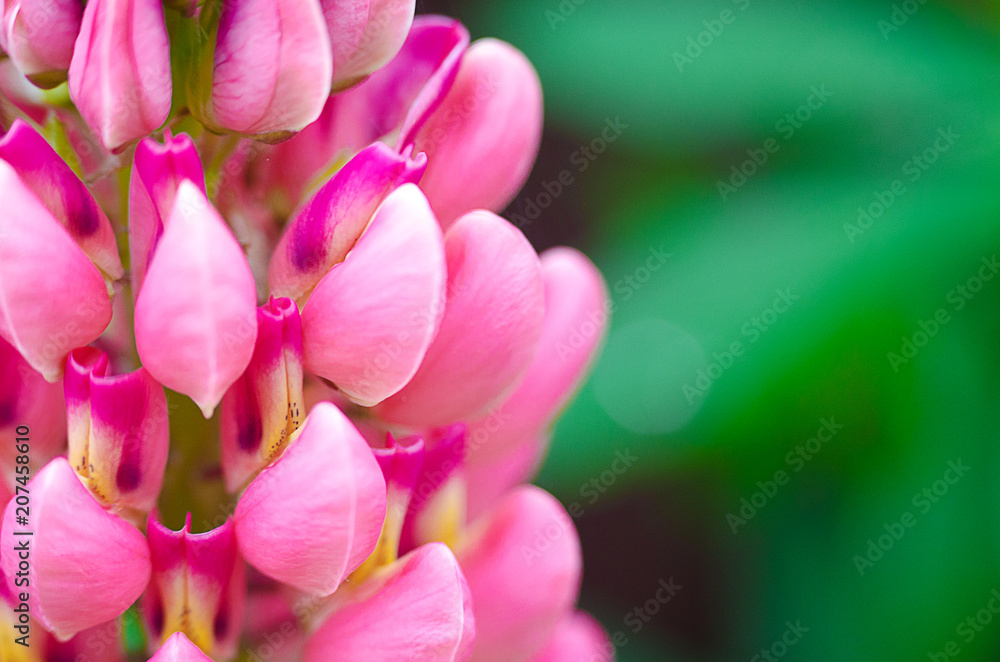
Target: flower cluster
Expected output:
[304,192]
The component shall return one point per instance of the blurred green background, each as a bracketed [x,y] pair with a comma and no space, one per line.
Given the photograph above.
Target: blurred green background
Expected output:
[750,135]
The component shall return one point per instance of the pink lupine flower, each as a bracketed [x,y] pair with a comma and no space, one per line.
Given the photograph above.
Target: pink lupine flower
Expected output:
[368,316]
[196,314]
[324,229]
[119,77]
[426,583]
[198,588]
[324,497]
[265,405]
[118,432]
[86,565]
[522,563]
[495,287]
[39,36]
[26,396]
[365,34]
[157,173]
[41,317]
[279,85]
[397,306]
[63,194]
[577,637]
[369,320]
[428,587]
[507,445]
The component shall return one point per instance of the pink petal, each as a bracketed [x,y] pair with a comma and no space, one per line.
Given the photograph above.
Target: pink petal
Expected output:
[119,432]
[265,405]
[328,225]
[198,587]
[119,78]
[40,314]
[482,140]
[369,322]
[27,399]
[490,328]
[196,315]
[513,436]
[365,34]
[63,194]
[157,172]
[87,565]
[281,83]
[415,609]
[324,498]
[522,562]
[178,648]
[43,55]
[577,637]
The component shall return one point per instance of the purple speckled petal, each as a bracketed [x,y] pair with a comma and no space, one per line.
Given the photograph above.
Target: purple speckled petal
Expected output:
[264,407]
[120,432]
[324,498]
[198,586]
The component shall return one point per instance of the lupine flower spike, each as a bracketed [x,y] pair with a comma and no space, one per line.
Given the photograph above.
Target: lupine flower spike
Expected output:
[277,371]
